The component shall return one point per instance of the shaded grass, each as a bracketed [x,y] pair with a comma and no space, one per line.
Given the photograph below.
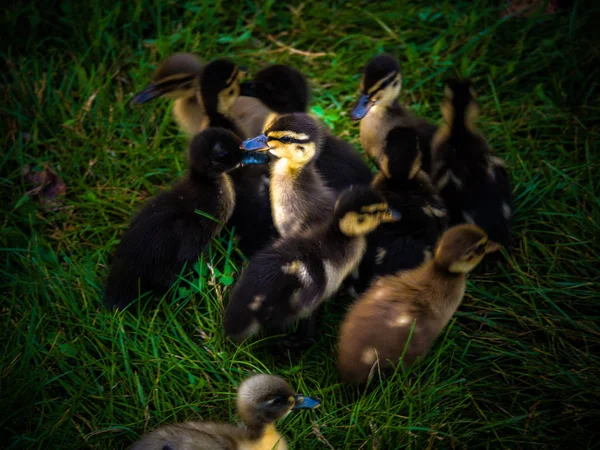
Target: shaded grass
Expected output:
[518,367]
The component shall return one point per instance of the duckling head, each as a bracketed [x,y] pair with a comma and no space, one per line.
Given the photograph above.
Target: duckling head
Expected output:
[401,157]
[281,88]
[462,247]
[220,85]
[379,86]
[459,102]
[176,77]
[360,209]
[263,399]
[215,151]
[295,137]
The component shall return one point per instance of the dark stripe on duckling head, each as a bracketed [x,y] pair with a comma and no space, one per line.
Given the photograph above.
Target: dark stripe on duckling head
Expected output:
[160,88]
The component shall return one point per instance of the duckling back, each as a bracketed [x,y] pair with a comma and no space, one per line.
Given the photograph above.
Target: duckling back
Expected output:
[473,182]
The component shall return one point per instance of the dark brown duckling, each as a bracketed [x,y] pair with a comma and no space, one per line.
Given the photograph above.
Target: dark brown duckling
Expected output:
[379,111]
[418,303]
[290,279]
[407,243]
[261,401]
[471,179]
[167,233]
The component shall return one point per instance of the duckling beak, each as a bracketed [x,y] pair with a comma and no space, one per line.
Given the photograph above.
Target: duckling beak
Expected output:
[492,247]
[361,108]
[248,89]
[392,216]
[253,158]
[302,402]
[257,144]
[150,93]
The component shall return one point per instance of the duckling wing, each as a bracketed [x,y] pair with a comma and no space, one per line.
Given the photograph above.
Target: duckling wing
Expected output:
[281,284]
[166,234]
[192,436]
[341,165]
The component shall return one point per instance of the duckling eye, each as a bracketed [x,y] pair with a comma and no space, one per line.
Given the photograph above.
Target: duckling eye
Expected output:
[279,400]
[230,91]
[360,219]
[286,139]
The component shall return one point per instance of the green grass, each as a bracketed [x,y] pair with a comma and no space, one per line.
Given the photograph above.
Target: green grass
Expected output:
[517,368]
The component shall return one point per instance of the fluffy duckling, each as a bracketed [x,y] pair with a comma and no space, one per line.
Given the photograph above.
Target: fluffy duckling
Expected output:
[471,179]
[206,97]
[407,243]
[261,400]
[299,197]
[167,233]
[280,89]
[379,111]
[290,279]
[415,304]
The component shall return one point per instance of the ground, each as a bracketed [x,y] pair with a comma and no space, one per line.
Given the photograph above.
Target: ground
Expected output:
[518,366]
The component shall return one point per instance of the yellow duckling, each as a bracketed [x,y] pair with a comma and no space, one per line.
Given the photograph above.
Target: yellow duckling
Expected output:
[399,318]
[261,400]
[300,199]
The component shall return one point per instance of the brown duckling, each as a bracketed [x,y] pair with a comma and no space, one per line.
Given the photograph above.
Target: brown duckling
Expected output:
[407,243]
[471,179]
[168,233]
[417,303]
[261,401]
[379,111]
[290,279]
[300,199]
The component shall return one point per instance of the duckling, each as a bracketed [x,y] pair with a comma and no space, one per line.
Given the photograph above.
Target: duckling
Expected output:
[206,97]
[261,400]
[167,233]
[407,243]
[299,197]
[379,111]
[412,306]
[290,279]
[280,89]
[471,179]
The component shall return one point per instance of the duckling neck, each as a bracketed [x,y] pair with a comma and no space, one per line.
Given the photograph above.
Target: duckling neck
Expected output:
[216,119]
[263,437]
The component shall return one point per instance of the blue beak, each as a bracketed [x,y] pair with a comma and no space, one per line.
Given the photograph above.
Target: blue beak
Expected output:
[394,216]
[303,402]
[251,158]
[150,93]
[361,108]
[259,143]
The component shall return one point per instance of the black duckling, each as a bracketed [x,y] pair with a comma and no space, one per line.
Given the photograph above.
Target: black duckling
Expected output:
[168,233]
[418,303]
[290,279]
[206,96]
[407,243]
[280,89]
[470,178]
[379,111]
[299,198]
[261,400]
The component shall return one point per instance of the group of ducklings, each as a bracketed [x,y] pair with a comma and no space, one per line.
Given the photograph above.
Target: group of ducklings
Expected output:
[312,218]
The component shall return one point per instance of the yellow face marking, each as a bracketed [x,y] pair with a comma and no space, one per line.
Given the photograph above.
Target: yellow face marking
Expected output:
[414,170]
[376,207]
[290,134]
[377,85]
[233,76]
